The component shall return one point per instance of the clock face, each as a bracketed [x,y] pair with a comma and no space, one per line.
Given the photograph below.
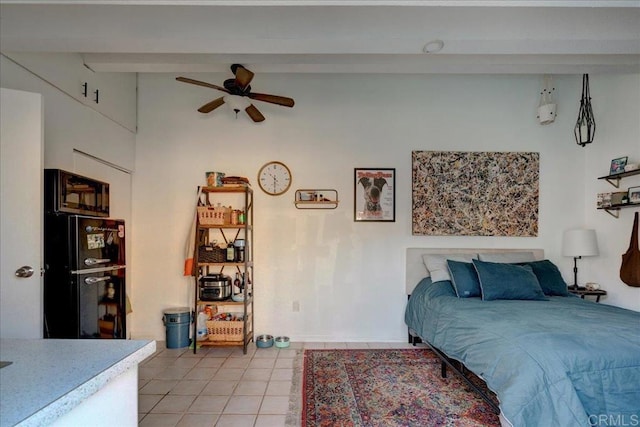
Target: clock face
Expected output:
[274,178]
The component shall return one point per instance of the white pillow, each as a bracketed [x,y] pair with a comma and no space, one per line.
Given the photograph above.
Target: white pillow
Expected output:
[437,264]
[507,257]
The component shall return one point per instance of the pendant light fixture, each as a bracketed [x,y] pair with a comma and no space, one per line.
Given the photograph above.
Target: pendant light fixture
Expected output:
[585,128]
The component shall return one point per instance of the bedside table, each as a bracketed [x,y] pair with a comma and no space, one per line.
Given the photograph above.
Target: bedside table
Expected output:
[582,292]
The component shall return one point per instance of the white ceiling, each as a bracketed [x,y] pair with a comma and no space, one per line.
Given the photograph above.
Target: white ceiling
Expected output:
[329,36]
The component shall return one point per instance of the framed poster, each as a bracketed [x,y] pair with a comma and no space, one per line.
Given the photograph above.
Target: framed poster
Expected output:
[374,194]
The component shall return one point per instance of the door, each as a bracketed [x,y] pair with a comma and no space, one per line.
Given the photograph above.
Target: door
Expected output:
[21,182]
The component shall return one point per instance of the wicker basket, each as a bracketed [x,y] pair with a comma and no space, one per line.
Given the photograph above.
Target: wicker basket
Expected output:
[225,330]
[214,215]
[208,253]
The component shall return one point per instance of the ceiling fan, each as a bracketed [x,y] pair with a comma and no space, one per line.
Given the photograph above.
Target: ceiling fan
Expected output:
[236,89]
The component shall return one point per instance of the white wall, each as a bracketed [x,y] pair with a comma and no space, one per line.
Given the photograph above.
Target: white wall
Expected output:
[616,108]
[70,125]
[349,277]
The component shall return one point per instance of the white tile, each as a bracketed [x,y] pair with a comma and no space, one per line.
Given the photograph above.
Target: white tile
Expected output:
[210,362]
[198,420]
[236,420]
[186,362]
[335,345]
[262,362]
[270,421]
[146,402]
[282,374]
[275,405]
[313,345]
[284,363]
[236,362]
[251,388]
[208,405]
[148,373]
[173,373]
[287,353]
[160,420]
[229,374]
[257,374]
[189,387]
[357,345]
[173,404]
[266,353]
[158,387]
[220,388]
[278,388]
[243,405]
[220,352]
[201,373]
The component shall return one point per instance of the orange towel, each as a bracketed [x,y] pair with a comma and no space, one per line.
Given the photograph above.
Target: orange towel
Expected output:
[190,244]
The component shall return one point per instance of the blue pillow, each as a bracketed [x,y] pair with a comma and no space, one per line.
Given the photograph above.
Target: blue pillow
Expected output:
[507,281]
[549,277]
[464,279]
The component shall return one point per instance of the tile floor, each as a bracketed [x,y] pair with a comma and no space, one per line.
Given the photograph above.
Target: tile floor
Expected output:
[221,386]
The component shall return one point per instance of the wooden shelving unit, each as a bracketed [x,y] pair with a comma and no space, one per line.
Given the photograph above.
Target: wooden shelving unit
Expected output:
[228,233]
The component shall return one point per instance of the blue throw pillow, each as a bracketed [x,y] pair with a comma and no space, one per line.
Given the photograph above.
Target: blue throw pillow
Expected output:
[549,277]
[464,279]
[507,281]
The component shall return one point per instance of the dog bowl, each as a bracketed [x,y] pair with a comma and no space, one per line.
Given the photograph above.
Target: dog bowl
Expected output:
[282,342]
[264,341]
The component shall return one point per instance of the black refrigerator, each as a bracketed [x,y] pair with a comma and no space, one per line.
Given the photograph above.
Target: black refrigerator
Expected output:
[84,274]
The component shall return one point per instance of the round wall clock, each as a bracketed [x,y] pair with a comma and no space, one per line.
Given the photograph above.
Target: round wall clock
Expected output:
[274,178]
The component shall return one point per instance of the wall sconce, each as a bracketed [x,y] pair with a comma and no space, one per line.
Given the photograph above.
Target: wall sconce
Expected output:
[547,107]
[585,128]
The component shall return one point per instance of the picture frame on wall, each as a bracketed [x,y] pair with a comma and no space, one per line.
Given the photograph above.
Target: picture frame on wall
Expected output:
[617,165]
[374,194]
[634,194]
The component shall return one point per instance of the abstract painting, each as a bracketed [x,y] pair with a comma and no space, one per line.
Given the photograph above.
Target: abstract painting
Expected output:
[459,193]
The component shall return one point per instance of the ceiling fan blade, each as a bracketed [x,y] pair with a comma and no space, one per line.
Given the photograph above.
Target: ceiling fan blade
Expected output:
[243,77]
[273,99]
[210,106]
[199,83]
[253,112]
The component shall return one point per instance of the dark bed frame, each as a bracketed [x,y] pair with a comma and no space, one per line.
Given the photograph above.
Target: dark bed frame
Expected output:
[457,367]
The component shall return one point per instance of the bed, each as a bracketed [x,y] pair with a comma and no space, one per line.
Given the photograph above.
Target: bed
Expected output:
[551,360]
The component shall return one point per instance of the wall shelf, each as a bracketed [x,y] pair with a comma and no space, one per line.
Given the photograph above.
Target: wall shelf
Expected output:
[314,198]
[614,210]
[615,179]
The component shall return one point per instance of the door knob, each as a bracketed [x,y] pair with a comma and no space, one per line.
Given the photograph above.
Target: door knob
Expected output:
[24,271]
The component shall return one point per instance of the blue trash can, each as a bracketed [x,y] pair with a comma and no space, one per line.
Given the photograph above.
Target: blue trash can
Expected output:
[177,321]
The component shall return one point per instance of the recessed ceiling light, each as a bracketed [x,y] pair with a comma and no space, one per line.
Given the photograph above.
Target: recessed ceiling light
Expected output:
[433,46]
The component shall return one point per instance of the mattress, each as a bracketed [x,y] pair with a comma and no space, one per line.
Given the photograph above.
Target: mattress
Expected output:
[559,362]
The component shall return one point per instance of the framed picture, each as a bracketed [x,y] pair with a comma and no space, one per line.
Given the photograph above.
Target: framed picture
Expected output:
[374,194]
[634,194]
[617,165]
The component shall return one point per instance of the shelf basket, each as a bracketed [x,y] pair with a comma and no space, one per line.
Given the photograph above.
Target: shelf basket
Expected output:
[225,330]
[210,254]
[214,215]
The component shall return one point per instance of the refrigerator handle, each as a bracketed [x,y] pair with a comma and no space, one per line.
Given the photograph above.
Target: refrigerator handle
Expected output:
[94,261]
[94,280]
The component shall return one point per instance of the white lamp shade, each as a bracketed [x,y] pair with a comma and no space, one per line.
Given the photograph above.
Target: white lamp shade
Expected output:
[579,242]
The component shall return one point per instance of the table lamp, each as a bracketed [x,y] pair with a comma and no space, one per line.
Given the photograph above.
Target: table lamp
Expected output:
[578,243]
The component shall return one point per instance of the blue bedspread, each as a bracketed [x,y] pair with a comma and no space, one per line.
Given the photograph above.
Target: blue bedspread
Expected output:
[563,362]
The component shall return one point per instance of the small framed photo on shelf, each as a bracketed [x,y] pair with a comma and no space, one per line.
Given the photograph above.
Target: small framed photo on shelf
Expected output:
[634,194]
[617,165]
[374,194]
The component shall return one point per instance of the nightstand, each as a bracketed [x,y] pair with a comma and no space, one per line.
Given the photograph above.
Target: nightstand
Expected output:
[582,292]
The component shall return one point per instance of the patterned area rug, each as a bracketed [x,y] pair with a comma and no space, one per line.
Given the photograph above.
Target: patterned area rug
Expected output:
[401,387]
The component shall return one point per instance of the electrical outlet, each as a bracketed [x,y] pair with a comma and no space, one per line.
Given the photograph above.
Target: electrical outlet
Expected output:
[296,306]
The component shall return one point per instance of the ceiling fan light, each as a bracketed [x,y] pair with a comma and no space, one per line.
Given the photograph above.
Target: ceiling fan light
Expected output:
[236,103]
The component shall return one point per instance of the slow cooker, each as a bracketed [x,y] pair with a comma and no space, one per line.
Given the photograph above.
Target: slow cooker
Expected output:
[214,287]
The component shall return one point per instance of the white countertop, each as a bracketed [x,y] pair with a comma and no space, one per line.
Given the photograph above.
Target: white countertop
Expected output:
[50,377]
